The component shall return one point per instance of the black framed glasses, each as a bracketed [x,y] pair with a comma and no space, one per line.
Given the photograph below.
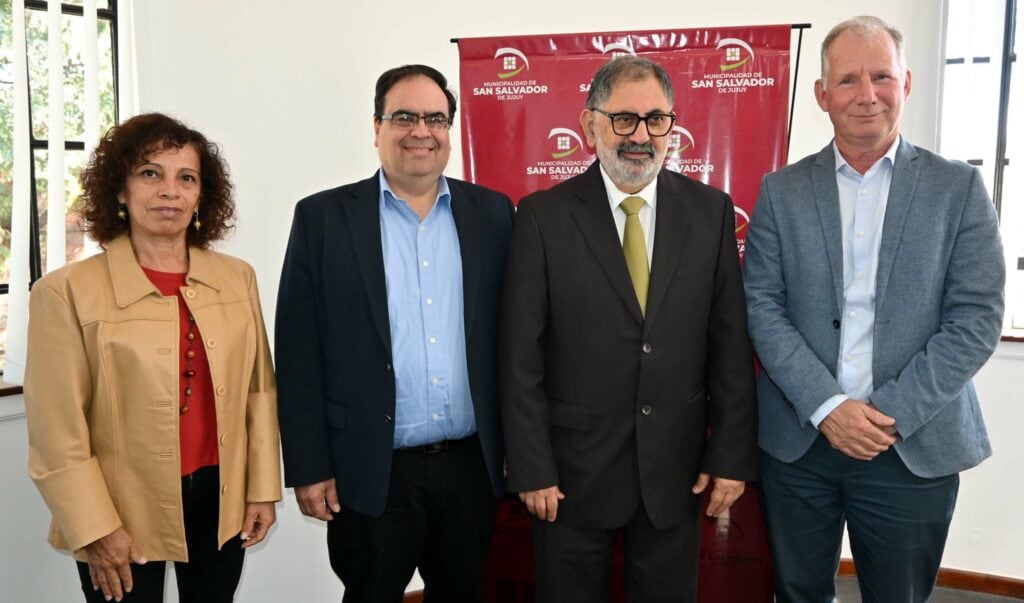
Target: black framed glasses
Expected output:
[407,121]
[624,124]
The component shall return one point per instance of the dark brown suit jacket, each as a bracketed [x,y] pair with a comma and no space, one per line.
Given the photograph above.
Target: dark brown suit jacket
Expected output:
[612,407]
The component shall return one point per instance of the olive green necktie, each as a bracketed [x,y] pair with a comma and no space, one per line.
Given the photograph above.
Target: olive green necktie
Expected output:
[634,247]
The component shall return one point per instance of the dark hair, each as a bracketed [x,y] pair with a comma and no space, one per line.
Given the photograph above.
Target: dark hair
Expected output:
[629,68]
[389,78]
[126,146]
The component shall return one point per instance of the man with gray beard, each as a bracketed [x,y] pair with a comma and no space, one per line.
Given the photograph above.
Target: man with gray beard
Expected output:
[627,385]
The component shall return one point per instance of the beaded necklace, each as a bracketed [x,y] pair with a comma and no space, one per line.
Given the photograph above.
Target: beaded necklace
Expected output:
[189,355]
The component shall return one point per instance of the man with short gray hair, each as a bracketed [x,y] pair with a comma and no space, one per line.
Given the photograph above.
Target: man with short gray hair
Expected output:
[874,278]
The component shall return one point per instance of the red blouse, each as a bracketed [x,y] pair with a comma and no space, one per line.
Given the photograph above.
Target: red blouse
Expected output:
[197,428]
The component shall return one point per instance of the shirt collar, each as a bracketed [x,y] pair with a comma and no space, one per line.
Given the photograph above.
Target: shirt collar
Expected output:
[131,283]
[388,196]
[890,154]
[649,193]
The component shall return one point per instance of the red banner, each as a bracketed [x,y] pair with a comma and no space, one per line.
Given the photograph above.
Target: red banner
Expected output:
[521,99]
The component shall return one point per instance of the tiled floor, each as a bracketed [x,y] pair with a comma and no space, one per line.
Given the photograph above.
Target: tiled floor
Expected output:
[847,592]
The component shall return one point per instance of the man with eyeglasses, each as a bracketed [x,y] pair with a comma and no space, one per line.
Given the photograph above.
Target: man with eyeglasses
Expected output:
[626,371]
[386,357]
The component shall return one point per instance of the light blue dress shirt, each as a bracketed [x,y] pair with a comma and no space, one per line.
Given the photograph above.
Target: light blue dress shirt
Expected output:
[862,202]
[423,272]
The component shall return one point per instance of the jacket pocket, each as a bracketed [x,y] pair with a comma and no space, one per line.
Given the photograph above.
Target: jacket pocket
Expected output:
[337,415]
[700,394]
[569,416]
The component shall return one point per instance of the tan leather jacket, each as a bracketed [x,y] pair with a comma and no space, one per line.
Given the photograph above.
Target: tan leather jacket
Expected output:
[101,398]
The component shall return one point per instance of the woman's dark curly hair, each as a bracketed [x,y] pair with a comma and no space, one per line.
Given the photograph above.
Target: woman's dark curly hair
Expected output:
[123,148]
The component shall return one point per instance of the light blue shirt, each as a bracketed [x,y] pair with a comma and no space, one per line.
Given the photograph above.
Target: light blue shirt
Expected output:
[862,201]
[423,272]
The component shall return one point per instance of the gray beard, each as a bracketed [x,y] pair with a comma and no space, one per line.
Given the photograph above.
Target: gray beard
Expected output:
[628,173]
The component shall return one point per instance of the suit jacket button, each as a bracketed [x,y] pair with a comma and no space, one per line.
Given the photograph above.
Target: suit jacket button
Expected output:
[646,409]
[388,419]
[387,367]
[835,324]
[646,348]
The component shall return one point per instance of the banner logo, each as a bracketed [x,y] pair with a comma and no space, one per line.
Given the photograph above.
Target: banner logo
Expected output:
[510,59]
[561,165]
[734,58]
[742,221]
[680,140]
[564,138]
[619,49]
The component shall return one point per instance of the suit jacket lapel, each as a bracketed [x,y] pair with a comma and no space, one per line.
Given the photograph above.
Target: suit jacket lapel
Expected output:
[826,197]
[594,218]
[363,212]
[670,231]
[467,223]
[905,172]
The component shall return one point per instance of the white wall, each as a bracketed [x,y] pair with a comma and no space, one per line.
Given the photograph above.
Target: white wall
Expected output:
[287,89]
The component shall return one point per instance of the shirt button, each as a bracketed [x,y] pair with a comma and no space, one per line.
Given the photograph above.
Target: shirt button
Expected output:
[426,263]
[221,390]
[223,440]
[224,489]
[849,357]
[860,233]
[211,343]
[646,409]
[860,276]
[646,348]
[435,416]
[422,228]
[430,301]
[853,314]
[435,380]
[190,293]
[433,340]
[863,191]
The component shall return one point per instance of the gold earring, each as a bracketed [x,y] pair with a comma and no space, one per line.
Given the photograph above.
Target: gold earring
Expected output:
[122,211]
[195,220]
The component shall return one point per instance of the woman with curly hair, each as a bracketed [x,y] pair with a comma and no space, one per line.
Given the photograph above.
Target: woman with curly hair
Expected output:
[149,390]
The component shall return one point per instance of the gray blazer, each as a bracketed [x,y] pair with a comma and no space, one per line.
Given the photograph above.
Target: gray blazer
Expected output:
[938,305]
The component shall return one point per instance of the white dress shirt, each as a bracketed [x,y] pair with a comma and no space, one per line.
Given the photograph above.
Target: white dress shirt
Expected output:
[862,202]
[649,194]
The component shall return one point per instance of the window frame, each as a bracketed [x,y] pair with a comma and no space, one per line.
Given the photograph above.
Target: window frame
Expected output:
[108,14]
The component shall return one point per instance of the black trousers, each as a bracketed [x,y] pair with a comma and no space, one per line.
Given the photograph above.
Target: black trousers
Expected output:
[573,563]
[210,576]
[438,517]
[897,522]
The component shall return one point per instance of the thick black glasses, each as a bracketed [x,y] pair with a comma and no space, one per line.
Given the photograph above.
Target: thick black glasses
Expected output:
[624,124]
[408,121]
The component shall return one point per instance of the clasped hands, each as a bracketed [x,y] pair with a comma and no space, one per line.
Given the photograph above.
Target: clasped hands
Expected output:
[859,430]
[543,503]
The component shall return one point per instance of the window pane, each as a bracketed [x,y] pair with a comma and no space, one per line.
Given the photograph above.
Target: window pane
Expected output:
[6,140]
[1012,215]
[105,66]
[3,331]
[37,34]
[73,163]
